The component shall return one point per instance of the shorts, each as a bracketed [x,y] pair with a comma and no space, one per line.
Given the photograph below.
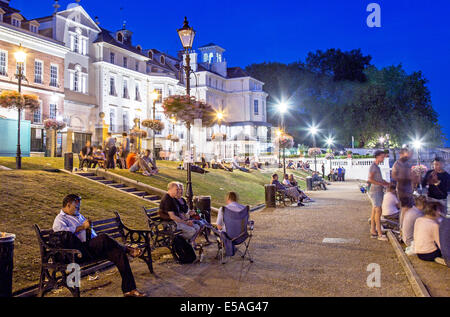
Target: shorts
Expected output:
[376,198]
[406,201]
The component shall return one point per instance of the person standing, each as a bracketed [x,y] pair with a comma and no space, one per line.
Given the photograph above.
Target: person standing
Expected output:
[376,193]
[437,181]
[110,148]
[340,174]
[323,170]
[401,173]
[343,174]
[125,148]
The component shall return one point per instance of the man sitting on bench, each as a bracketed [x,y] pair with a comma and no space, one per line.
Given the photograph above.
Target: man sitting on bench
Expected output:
[291,192]
[170,210]
[86,155]
[97,246]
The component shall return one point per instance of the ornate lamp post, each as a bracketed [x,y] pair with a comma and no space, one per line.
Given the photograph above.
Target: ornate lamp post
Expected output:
[330,142]
[20,57]
[187,34]
[313,130]
[219,116]
[155,97]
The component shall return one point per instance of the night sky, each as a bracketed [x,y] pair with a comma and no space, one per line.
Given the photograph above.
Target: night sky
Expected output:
[415,33]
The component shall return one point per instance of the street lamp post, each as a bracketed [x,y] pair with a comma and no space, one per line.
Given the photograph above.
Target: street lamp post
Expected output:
[155,97]
[187,34]
[20,56]
[313,130]
[330,142]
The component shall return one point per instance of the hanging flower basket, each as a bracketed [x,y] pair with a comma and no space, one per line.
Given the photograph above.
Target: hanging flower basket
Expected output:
[314,151]
[187,109]
[419,169]
[138,133]
[285,141]
[329,156]
[155,125]
[173,138]
[219,137]
[54,124]
[13,99]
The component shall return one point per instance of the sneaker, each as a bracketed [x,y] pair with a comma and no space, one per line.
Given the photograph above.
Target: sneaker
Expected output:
[440,260]
[382,238]
[300,204]
[410,250]
[374,235]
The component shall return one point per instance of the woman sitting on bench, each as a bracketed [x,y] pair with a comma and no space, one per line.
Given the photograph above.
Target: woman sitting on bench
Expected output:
[291,192]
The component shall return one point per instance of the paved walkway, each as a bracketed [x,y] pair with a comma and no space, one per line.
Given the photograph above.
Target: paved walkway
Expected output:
[290,257]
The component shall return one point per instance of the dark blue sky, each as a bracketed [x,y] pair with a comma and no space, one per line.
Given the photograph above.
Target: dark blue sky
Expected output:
[415,33]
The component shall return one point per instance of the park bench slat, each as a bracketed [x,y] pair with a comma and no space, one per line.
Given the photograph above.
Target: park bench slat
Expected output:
[108,231]
[101,222]
[107,226]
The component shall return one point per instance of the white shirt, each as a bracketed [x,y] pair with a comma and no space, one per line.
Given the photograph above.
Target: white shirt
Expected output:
[389,206]
[426,235]
[407,226]
[65,222]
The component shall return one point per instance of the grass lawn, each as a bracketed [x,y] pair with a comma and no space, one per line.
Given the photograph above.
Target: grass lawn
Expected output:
[31,196]
[37,163]
[216,183]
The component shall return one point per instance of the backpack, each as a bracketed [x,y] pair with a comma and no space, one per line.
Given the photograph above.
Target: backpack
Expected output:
[182,251]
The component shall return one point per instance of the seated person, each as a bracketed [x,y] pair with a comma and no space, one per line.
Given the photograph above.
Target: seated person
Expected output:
[426,234]
[232,205]
[98,157]
[391,206]
[169,210]
[318,180]
[291,192]
[294,183]
[331,175]
[97,246]
[214,164]
[222,165]
[290,165]
[204,163]
[409,218]
[235,165]
[254,164]
[190,214]
[145,163]
[247,162]
[86,155]
[131,158]
[120,160]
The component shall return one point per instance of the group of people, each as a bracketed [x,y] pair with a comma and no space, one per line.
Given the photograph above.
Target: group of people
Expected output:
[243,166]
[336,174]
[122,155]
[304,166]
[290,188]
[173,207]
[423,221]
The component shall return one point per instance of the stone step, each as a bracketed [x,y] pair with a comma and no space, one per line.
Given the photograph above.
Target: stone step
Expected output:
[139,193]
[86,174]
[96,178]
[117,185]
[152,197]
[128,189]
[106,182]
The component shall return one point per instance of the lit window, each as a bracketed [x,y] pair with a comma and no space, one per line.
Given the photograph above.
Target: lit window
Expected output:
[3,62]
[37,115]
[125,89]
[76,81]
[112,87]
[159,91]
[53,75]
[38,72]
[125,121]
[53,108]
[112,118]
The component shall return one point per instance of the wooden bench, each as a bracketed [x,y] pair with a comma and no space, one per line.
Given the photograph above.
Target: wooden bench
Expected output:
[162,232]
[54,261]
[281,197]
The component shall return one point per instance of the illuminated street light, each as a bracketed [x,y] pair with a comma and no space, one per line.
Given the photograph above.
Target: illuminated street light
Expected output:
[282,107]
[21,58]
[329,141]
